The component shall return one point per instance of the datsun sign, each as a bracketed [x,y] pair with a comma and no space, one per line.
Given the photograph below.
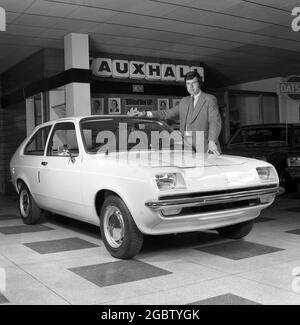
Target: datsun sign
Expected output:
[291,87]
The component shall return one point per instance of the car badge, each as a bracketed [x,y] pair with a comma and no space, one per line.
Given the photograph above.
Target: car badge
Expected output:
[227,179]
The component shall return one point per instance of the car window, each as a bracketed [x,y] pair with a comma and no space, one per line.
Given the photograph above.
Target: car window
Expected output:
[262,135]
[129,134]
[36,145]
[63,138]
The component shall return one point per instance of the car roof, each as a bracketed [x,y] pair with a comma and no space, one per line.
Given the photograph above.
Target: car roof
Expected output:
[90,117]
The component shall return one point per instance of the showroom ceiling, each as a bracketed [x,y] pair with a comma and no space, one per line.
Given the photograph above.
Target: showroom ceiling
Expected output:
[237,40]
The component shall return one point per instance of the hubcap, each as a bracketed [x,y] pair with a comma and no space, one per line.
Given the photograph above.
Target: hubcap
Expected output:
[114,227]
[24,203]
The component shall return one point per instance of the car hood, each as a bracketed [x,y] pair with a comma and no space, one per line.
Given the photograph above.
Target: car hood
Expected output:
[176,159]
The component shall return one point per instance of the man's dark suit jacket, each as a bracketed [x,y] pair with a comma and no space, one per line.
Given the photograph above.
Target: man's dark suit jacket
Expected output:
[205,116]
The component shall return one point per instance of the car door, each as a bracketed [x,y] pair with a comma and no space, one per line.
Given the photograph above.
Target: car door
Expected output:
[60,176]
[32,157]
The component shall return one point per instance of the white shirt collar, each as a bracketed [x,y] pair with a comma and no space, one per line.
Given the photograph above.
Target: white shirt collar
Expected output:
[196,97]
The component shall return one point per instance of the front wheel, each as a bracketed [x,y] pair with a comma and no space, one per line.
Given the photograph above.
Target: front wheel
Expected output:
[236,231]
[119,232]
[29,210]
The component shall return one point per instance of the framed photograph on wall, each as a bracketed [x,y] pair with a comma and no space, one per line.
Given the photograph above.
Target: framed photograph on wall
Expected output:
[97,106]
[162,104]
[175,102]
[114,105]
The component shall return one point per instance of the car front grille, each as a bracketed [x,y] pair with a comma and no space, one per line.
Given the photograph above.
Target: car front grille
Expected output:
[214,208]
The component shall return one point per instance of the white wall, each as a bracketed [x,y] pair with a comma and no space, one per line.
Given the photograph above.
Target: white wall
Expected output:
[247,107]
[288,108]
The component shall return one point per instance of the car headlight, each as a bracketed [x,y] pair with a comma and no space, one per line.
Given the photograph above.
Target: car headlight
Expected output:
[267,174]
[169,181]
[293,161]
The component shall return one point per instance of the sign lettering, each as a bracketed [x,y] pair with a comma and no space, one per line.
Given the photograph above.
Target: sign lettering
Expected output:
[137,70]
[153,71]
[168,72]
[291,87]
[105,67]
[120,69]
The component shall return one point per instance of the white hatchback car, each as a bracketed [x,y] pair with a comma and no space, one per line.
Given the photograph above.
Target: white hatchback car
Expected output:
[113,172]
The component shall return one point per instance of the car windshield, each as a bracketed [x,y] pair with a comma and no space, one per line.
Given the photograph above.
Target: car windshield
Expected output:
[261,136]
[124,134]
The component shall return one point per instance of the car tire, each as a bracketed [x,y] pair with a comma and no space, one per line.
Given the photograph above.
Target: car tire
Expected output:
[285,184]
[236,231]
[119,232]
[30,212]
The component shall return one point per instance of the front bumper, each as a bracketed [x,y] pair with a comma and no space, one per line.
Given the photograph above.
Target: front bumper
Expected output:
[199,211]
[200,199]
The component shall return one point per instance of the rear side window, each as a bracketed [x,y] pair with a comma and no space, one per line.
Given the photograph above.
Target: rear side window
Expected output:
[37,144]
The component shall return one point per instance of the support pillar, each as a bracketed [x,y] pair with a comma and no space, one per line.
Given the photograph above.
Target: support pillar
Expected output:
[78,94]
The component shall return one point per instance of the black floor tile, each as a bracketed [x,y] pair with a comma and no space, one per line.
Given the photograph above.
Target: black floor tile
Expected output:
[108,274]
[8,216]
[59,245]
[263,219]
[226,299]
[13,230]
[294,209]
[237,250]
[295,231]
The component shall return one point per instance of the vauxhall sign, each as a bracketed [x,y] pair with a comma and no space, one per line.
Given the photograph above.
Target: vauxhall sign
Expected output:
[105,67]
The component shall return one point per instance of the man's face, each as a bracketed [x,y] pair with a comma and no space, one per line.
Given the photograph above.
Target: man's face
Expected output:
[193,86]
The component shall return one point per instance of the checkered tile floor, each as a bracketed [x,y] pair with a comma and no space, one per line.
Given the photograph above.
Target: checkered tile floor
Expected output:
[64,262]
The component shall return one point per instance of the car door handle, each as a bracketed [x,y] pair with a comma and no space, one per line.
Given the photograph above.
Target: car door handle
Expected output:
[44,163]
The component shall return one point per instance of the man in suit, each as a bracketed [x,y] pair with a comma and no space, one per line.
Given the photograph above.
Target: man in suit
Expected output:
[197,112]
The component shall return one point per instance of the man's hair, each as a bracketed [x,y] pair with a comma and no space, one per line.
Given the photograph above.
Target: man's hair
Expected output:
[193,74]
